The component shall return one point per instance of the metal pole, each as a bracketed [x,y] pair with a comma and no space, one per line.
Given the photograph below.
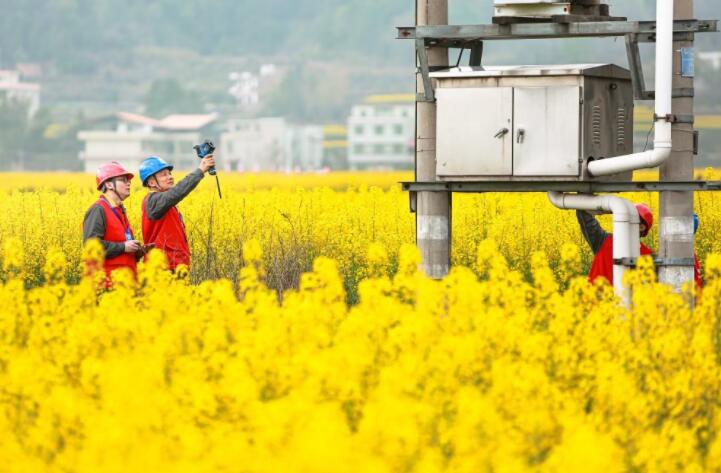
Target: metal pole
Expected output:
[433,210]
[676,239]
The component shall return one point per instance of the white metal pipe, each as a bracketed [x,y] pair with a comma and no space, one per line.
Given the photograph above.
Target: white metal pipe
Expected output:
[662,142]
[635,231]
[626,239]
[621,249]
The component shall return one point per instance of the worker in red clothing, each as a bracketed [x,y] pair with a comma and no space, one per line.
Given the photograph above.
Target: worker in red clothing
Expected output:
[163,224]
[601,243]
[697,265]
[107,221]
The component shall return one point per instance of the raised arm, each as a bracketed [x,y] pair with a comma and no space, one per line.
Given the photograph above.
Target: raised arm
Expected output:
[159,203]
[591,229]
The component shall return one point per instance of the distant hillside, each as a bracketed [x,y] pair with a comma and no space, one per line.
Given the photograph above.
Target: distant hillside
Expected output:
[106,54]
[101,56]
[78,34]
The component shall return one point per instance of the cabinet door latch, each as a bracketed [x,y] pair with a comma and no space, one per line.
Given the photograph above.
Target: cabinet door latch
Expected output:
[501,133]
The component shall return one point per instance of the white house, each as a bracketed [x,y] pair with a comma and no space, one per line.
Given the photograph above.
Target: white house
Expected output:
[381,133]
[13,89]
[270,144]
[248,87]
[129,138]
[304,148]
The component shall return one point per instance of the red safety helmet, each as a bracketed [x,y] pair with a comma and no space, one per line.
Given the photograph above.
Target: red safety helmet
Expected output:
[644,211]
[109,171]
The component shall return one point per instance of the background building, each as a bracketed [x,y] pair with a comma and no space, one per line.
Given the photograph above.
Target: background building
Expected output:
[12,89]
[381,132]
[129,138]
[335,147]
[270,144]
[304,148]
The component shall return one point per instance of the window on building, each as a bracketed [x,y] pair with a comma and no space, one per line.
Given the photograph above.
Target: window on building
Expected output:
[398,148]
[378,129]
[359,149]
[358,129]
[398,129]
[379,149]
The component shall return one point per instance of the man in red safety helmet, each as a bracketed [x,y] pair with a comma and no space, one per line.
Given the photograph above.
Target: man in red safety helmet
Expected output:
[601,243]
[107,221]
[163,224]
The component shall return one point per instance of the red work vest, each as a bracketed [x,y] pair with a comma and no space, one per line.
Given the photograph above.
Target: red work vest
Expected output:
[116,225]
[602,266]
[168,234]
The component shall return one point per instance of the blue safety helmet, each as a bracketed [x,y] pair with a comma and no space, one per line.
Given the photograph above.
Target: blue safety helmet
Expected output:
[695,222]
[151,166]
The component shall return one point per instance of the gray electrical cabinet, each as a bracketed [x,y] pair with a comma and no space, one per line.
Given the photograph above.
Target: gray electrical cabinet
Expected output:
[531,122]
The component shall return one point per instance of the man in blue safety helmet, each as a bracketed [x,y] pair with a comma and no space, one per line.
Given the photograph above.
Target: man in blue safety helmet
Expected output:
[163,224]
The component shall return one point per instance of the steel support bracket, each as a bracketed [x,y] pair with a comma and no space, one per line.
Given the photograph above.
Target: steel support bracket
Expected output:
[476,59]
[636,67]
[627,262]
[456,36]
[413,201]
[429,94]
[683,93]
[674,262]
[658,262]
[682,119]
[677,36]
[585,187]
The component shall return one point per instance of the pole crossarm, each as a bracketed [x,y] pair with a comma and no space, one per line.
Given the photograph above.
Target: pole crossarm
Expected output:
[560,186]
[461,35]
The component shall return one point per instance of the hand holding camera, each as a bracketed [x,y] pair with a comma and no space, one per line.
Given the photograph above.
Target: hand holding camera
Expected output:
[205,153]
[205,150]
[207,163]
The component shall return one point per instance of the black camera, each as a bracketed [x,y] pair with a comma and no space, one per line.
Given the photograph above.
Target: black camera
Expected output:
[203,150]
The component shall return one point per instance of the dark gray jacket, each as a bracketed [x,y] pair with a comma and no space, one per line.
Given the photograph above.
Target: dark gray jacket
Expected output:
[591,229]
[158,203]
[94,227]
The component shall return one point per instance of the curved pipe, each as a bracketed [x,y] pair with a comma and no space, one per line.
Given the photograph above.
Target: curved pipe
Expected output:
[626,239]
[662,142]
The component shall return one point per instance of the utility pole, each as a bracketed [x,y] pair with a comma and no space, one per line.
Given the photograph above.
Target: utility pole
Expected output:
[433,209]
[676,238]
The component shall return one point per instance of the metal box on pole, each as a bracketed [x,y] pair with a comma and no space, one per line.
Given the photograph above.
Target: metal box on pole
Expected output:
[532,123]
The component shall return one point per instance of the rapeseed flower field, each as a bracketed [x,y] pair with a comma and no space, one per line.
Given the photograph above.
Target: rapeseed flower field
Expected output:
[305,339]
